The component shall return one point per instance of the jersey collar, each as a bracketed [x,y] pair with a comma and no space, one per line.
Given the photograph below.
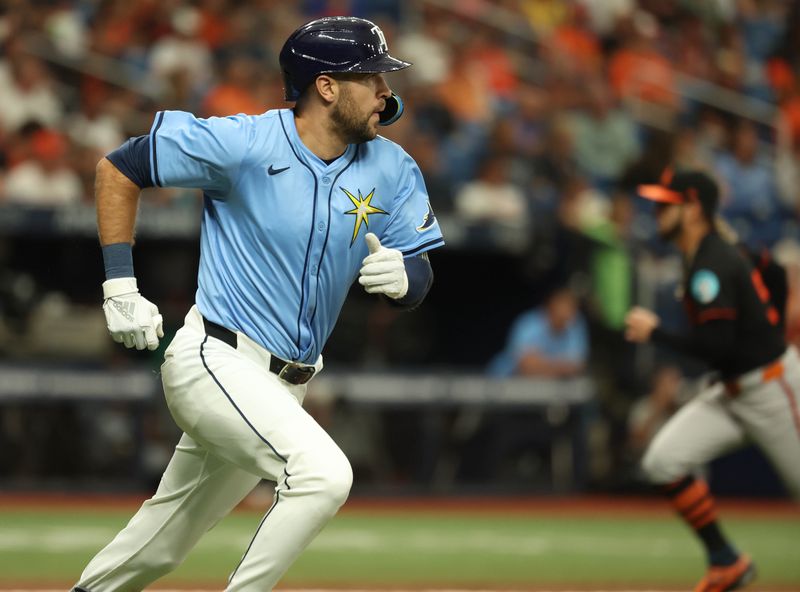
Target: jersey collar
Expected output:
[311,159]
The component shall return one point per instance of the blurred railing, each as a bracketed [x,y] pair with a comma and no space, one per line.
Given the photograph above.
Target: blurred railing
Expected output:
[39,383]
[454,389]
[30,382]
[561,407]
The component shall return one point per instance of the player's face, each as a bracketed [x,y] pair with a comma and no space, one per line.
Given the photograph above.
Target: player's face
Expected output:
[669,220]
[355,114]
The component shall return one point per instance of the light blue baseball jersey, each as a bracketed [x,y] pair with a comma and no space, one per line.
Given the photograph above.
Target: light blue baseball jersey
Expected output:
[282,235]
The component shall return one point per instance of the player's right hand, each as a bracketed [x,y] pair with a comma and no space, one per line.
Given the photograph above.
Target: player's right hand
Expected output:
[640,324]
[131,319]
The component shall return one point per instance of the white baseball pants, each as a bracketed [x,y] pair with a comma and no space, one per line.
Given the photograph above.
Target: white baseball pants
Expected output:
[241,424]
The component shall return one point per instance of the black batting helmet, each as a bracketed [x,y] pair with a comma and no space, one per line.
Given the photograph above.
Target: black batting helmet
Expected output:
[333,44]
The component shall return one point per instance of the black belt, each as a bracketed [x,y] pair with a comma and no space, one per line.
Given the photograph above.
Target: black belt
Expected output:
[291,372]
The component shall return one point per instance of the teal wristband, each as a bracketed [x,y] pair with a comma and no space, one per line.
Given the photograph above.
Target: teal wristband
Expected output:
[118,260]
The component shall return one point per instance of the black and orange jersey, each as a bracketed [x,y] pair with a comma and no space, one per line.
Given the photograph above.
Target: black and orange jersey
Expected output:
[734,325]
[775,279]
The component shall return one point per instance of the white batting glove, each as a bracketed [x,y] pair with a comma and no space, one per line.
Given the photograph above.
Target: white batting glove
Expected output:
[131,319]
[383,271]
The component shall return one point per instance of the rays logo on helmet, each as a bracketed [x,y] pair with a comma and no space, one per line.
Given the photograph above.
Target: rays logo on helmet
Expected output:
[377,31]
[705,286]
[428,220]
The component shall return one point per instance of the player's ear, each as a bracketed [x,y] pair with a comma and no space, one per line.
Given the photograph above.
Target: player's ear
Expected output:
[327,87]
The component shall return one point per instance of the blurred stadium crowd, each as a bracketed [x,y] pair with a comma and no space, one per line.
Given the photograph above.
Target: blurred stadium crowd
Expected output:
[533,122]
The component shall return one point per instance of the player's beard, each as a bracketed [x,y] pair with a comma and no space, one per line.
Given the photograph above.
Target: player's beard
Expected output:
[351,124]
[672,232]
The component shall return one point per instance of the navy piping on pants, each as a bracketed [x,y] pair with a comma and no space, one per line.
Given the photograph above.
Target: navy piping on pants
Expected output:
[262,438]
[239,411]
[260,524]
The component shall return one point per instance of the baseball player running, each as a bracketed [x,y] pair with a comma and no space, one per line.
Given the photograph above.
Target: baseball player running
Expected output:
[735,329]
[298,203]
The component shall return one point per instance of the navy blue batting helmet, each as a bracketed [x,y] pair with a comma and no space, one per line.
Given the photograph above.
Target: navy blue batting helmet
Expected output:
[333,44]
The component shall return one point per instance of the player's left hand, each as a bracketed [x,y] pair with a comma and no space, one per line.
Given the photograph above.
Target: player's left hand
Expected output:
[383,271]
[640,324]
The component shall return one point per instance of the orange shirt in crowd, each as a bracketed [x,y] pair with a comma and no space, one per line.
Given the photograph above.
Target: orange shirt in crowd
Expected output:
[499,70]
[780,76]
[227,99]
[213,28]
[642,73]
[577,46]
[790,115]
[464,93]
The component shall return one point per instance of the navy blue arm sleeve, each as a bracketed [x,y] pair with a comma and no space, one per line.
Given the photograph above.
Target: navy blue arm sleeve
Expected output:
[133,160]
[420,280]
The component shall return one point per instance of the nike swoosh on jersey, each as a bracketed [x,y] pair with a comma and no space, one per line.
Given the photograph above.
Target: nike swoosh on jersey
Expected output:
[273,171]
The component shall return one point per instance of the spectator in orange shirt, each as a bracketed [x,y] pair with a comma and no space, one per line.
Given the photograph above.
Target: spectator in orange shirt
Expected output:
[465,91]
[573,49]
[638,69]
[486,52]
[789,115]
[237,91]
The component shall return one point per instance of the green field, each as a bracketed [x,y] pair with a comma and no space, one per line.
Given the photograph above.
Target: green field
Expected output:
[424,548]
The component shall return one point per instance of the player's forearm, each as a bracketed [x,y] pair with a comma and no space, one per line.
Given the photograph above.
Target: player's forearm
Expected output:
[117,199]
[534,364]
[420,280]
[710,342]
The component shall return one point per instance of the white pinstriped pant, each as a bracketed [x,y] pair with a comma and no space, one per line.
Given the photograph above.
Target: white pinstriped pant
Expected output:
[241,423]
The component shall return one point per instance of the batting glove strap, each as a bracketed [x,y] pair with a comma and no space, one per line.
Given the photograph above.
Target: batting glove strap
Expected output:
[119,287]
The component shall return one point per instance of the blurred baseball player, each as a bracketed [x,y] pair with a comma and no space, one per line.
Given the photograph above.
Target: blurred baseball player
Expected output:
[735,328]
[297,205]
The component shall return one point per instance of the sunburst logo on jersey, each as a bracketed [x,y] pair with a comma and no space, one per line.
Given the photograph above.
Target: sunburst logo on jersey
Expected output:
[362,210]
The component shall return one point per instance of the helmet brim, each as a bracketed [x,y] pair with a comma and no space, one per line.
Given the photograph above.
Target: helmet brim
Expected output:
[379,63]
[660,194]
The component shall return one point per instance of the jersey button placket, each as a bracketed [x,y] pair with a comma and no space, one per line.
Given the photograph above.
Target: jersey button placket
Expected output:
[315,254]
